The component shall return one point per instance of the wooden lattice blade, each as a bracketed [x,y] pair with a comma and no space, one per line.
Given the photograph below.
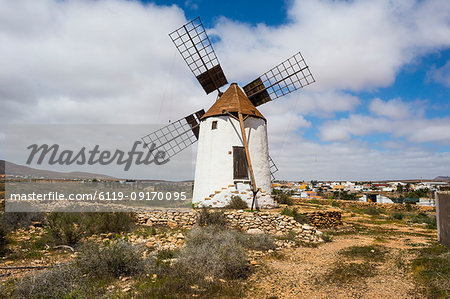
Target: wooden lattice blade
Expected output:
[176,136]
[196,49]
[288,76]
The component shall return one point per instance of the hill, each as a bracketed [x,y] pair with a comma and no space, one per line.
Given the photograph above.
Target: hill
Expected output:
[442,178]
[16,169]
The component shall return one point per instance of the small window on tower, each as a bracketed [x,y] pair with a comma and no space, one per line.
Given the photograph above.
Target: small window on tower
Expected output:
[214,125]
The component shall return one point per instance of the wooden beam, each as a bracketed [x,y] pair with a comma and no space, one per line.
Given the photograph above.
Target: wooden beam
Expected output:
[231,115]
[247,152]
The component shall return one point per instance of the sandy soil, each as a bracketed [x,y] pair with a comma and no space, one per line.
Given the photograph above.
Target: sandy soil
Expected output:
[301,272]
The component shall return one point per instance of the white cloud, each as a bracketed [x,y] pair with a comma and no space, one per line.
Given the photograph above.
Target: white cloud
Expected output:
[348,44]
[354,160]
[394,108]
[441,75]
[397,108]
[92,61]
[355,124]
[413,130]
[111,61]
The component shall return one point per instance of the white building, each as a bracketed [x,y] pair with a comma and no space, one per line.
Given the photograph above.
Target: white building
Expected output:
[221,168]
[378,198]
[423,201]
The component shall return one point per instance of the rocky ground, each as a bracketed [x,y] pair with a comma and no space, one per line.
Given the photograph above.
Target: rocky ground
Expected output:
[311,272]
[293,270]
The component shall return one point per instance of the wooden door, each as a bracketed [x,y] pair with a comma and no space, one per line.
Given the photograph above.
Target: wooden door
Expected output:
[240,167]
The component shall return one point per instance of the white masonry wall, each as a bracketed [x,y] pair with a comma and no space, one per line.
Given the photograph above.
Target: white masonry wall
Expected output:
[214,184]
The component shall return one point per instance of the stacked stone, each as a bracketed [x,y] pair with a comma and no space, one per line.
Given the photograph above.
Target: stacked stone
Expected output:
[180,219]
[324,219]
[365,205]
[253,223]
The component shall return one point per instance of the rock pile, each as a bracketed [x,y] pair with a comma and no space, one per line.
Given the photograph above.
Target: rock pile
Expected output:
[171,218]
[272,223]
[324,219]
[365,205]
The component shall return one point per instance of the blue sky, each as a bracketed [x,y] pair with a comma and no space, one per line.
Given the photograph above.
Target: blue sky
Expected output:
[379,108]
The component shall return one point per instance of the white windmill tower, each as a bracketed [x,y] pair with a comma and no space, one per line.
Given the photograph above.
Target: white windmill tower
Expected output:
[233,156]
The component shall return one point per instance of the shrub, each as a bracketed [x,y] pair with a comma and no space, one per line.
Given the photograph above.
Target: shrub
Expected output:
[409,207]
[327,237]
[13,220]
[110,222]
[216,218]
[422,217]
[165,254]
[315,202]
[213,252]
[58,282]
[372,211]
[398,216]
[237,203]
[70,228]
[284,198]
[116,259]
[301,218]
[432,269]
[257,242]
[343,272]
[3,240]
[66,228]
[370,252]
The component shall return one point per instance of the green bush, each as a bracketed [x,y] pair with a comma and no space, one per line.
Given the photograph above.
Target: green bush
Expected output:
[343,272]
[327,237]
[71,228]
[372,211]
[13,220]
[300,218]
[116,259]
[284,198]
[432,269]
[58,282]
[237,203]
[66,228]
[3,240]
[257,242]
[213,252]
[409,207]
[110,222]
[216,218]
[369,252]
[398,216]
[423,217]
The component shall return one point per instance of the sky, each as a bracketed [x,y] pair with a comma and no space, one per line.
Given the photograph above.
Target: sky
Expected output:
[379,108]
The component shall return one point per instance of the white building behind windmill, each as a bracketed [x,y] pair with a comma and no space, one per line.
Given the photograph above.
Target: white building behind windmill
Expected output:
[221,168]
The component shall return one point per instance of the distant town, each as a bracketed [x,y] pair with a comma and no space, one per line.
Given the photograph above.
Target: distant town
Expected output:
[420,192]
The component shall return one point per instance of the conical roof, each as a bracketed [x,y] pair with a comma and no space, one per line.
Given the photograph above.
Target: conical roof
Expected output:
[233,100]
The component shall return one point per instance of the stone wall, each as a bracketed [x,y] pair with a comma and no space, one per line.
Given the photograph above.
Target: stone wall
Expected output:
[324,219]
[365,205]
[257,222]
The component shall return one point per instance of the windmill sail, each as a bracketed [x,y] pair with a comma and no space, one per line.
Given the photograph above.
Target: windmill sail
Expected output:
[288,76]
[194,46]
[176,136]
[273,168]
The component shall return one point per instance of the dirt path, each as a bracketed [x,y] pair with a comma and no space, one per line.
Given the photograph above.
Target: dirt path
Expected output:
[305,272]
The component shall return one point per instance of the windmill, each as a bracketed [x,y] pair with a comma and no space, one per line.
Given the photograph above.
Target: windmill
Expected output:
[233,156]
